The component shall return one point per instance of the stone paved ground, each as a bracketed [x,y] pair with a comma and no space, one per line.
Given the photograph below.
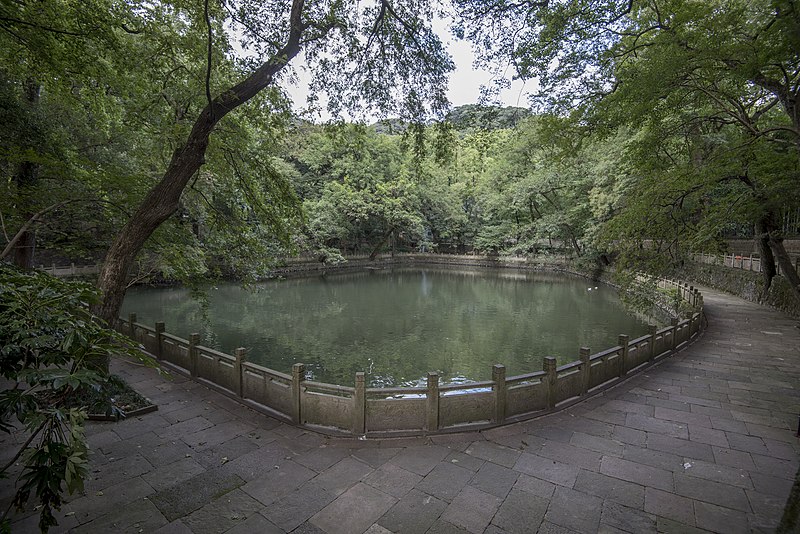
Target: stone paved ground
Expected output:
[704,441]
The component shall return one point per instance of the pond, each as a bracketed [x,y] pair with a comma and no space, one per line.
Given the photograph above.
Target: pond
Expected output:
[398,324]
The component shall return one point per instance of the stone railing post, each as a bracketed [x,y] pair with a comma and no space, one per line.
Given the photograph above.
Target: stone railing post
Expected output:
[240,354]
[549,367]
[623,362]
[194,340]
[653,335]
[586,369]
[72,270]
[360,405]
[131,326]
[675,333]
[298,375]
[499,379]
[159,331]
[433,402]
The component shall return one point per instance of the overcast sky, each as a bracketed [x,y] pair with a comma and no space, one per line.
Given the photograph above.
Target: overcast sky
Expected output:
[465,81]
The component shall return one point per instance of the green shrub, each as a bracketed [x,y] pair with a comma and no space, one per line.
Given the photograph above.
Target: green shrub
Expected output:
[48,337]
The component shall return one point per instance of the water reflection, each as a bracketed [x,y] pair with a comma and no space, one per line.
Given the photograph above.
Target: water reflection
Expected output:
[398,324]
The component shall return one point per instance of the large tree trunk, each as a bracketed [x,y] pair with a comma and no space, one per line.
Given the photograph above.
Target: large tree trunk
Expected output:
[163,199]
[787,269]
[24,250]
[770,245]
[768,270]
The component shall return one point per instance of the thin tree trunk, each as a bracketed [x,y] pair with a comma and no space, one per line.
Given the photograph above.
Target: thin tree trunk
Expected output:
[25,179]
[163,199]
[26,230]
[574,241]
[377,249]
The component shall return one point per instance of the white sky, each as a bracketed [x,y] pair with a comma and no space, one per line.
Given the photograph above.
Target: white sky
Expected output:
[465,81]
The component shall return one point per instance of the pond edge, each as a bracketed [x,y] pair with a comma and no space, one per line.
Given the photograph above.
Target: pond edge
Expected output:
[363,413]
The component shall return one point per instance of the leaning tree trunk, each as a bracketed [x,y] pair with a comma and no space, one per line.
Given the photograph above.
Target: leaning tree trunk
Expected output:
[377,249]
[163,199]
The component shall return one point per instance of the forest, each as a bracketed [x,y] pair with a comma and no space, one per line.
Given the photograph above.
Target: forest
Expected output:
[659,128]
[160,137]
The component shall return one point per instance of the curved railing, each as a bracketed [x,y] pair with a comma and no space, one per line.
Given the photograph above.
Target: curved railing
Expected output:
[360,410]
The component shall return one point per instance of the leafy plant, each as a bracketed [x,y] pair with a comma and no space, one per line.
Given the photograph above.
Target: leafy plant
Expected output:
[48,338]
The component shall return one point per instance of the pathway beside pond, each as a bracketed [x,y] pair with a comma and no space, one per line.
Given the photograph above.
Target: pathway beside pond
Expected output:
[704,441]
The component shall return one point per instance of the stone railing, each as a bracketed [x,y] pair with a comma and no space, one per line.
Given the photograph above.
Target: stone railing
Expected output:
[305,266]
[435,408]
[735,261]
[71,270]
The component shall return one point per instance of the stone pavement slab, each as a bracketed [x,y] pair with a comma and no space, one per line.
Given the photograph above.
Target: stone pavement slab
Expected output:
[702,442]
[354,511]
[472,509]
[520,512]
[413,514]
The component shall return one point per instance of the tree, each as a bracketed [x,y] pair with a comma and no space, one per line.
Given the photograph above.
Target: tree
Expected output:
[718,77]
[48,338]
[364,191]
[383,55]
[731,116]
[344,47]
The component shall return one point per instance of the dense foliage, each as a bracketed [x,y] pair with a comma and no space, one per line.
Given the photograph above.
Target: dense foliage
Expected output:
[48,341]
[707,91]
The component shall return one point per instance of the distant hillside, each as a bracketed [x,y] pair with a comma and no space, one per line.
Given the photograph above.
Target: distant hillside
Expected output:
[390,126]
[477,117]
[466,118]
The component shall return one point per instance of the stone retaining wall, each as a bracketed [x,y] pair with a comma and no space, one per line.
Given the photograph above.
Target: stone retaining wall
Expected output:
[746,284]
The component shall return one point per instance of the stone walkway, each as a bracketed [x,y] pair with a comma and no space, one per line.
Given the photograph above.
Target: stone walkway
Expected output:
[705,441]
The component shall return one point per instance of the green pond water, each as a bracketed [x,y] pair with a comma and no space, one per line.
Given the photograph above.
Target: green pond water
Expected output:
[398,324]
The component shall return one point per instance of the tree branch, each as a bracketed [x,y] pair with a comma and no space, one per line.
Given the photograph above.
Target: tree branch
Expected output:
[208,60]
[40,27]
[34,219]
[3,224]
[24,446]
